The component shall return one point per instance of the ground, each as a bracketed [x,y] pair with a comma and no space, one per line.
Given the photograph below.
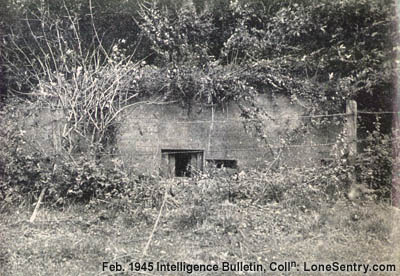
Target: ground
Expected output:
[78,239]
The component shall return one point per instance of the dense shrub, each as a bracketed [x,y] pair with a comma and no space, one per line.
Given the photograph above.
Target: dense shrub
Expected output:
[374,163]
[25,170]
[299,190]
[83,179]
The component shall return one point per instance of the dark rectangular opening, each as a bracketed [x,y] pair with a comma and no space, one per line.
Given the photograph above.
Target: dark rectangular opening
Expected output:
[181,163]
[222,163]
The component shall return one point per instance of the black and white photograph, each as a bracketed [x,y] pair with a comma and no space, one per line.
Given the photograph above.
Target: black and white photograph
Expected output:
[199,137]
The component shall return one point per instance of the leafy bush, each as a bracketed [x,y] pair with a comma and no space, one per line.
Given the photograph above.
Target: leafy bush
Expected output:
[83,179]
[300,190]
[374,163]
[25,170]
[21,168]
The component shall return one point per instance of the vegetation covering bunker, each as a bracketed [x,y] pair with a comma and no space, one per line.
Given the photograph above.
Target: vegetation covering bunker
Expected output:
[223,52]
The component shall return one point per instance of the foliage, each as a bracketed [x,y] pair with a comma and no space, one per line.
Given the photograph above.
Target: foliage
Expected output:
[83,180]
[328,44]
[319,54]
[22,169]
[26,170]
[188,69]
[177,35]
[375,162]
[322,53]
[66,55]
[89,84]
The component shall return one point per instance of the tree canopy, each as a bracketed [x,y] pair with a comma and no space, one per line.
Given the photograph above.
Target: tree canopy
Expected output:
[317,53]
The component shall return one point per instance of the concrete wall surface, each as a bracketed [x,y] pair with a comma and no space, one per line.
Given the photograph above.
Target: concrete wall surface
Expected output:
[148,130]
